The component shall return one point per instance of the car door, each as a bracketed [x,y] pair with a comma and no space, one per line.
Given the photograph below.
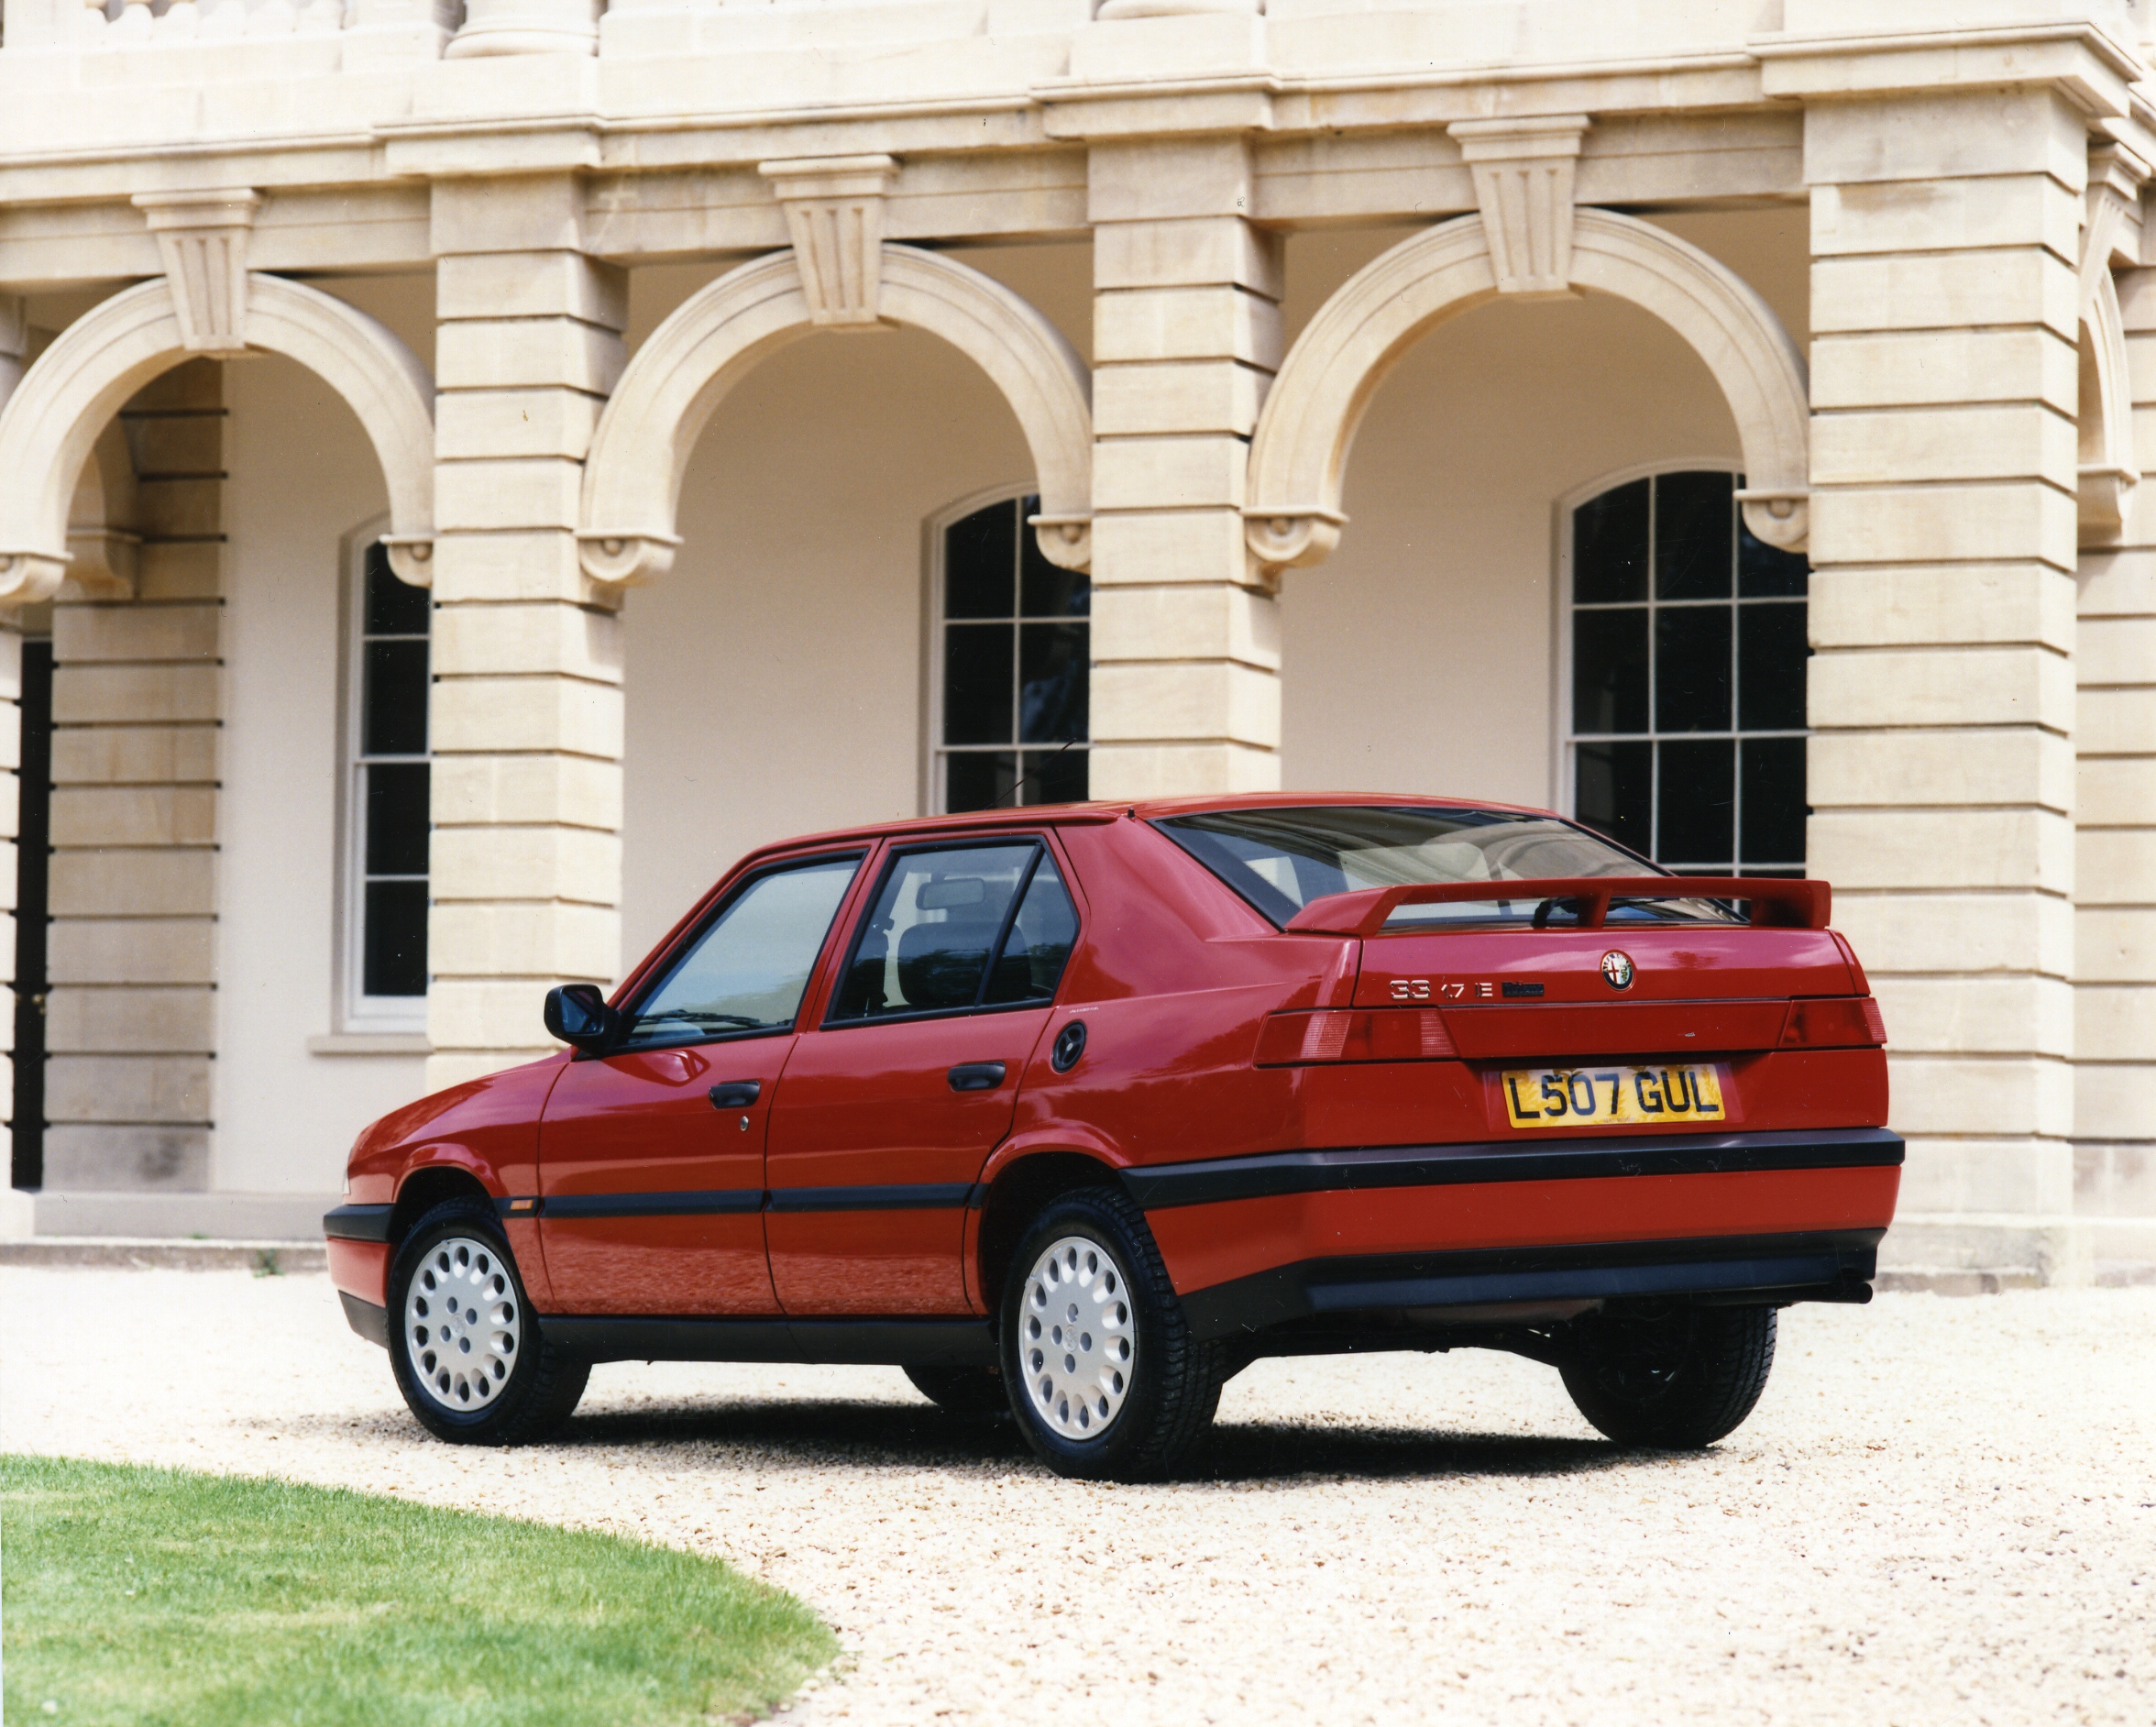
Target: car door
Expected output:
[890,1106]
[651,1159]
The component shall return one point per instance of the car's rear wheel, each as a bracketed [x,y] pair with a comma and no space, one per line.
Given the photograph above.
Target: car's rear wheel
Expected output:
[1105,1380]
[1669,1374]
[977,1394]
[466,1347]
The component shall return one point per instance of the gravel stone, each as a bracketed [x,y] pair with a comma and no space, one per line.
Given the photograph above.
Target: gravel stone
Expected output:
[1942,1511]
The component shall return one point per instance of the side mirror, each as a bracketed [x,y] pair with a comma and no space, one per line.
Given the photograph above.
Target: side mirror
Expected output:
[579,1015]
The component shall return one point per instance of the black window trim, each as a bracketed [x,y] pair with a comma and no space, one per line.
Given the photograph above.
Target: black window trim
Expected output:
[972,842]
[1162,823]
[659,973]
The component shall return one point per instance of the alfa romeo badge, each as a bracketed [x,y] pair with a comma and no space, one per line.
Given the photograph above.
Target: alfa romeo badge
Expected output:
[1617,968]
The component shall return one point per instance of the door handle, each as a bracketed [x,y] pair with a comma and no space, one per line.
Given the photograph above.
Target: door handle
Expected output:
[735,1094]
[976,1076]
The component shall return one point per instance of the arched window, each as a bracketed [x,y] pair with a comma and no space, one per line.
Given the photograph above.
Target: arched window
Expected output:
[1687,644]
[1012,663]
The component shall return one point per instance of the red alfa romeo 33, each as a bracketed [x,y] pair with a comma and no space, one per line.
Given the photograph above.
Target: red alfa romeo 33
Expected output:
[1076,1112]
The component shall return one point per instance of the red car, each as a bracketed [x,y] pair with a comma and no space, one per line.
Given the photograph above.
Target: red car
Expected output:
[1078,1111]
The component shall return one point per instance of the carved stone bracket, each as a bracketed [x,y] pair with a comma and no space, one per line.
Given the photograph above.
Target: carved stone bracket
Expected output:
[1282,538]
[412,558]
[834,211]
[203,239]
[2107,472]
[1064,541]
[1525,172]
[1780,518]
[627,560]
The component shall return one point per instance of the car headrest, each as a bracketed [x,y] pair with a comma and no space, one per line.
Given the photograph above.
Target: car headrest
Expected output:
[940,964]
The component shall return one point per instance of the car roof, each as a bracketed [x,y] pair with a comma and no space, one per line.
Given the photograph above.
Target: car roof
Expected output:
[1146,810]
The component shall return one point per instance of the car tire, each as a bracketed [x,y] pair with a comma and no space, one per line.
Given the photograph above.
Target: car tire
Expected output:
[1668,1374]
[973,1393]
[1104,1376]
[467,1351]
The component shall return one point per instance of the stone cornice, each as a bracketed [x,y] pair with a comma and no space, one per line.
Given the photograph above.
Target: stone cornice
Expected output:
[2094,70]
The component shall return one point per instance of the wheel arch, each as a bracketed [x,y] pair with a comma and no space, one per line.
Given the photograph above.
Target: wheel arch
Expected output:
[427,1186]
[1016,1191]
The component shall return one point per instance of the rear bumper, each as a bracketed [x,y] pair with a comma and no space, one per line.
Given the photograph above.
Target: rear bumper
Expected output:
[1252,1243]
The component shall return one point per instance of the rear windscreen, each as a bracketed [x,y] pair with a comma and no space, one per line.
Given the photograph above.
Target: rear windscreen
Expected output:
[1281,860]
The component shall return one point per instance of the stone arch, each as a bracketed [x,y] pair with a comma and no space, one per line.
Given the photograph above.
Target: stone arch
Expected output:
[1299,456]
[2108,472]
[52,424]
[669,391]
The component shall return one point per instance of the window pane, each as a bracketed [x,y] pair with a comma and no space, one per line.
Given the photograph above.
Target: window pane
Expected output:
[977,683]
[393,946]
[393,699]
[1609,546]
[1692,547]
[979,779]
[926,945]
[1045,589]
[1039,942]
[1053,682]
[747,970]
[1770,668]
[1692,669]
[397,818]
[1774,802]
[1057,776]
[1698,803]
[1613,790]
[1610,671]
[980,565]
[1766,571]
[392,607]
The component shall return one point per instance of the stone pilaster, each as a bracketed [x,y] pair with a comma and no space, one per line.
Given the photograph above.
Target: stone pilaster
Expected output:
[1943,312]
[131,1019]
[2114,917]
[14,1215]
[526,865]
[1186,337]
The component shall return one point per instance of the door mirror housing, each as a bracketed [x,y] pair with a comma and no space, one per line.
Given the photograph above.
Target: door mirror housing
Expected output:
[579,1015]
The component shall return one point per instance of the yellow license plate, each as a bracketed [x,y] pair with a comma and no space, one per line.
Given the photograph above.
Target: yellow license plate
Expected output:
[1612,1096]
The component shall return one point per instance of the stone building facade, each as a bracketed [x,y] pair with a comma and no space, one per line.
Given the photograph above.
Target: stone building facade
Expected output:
[468,472]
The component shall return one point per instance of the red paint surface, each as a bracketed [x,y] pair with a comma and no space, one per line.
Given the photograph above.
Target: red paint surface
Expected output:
[360,1268]
[1204,1245]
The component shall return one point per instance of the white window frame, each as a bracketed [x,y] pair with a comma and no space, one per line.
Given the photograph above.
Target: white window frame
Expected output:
[1564,765]
[933,752]
[357,1012]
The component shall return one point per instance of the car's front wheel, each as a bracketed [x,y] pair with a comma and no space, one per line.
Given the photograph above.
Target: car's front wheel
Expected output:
[465,1344]
[1669,1374]
[1105,1380]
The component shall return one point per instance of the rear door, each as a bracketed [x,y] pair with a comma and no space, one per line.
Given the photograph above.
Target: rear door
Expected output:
[889,1107]
[650,1161]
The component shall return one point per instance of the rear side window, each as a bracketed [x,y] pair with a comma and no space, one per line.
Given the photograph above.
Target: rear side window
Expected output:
[747,970]
[1281,860]
[955,930]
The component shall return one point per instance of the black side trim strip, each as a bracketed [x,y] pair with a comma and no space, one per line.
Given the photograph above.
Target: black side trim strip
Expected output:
[370,1321]
[683,1204]
[928,1196]
[872,1342]
[1264,1176]
[358,1222]
[1389,1283]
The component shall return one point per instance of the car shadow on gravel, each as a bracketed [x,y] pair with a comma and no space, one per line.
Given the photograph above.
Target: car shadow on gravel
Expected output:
[816,1433]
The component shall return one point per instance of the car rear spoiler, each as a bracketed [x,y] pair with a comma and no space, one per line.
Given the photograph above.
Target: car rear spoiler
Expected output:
[1776,903]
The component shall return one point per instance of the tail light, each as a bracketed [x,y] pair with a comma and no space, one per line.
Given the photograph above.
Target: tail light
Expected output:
[1842,1022]
[1379,1034]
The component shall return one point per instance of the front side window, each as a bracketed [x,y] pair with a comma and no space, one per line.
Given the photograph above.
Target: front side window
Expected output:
[385,915]
[1013,651]
[1281,860]
[984,926]
[1687,678]
[746,972]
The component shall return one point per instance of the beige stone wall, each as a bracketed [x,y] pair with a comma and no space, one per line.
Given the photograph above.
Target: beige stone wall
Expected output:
[135,698]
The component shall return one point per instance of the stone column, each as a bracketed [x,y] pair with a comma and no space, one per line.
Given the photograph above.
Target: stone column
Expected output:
[1943,312]
[526,866]
[130,1024]
[17,1218]
[1186,338]
[2114,920]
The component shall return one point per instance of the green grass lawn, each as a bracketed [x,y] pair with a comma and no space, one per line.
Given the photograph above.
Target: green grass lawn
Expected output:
[160,1598]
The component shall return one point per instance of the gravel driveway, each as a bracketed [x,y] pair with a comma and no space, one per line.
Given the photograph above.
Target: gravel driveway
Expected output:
[1943,1510]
